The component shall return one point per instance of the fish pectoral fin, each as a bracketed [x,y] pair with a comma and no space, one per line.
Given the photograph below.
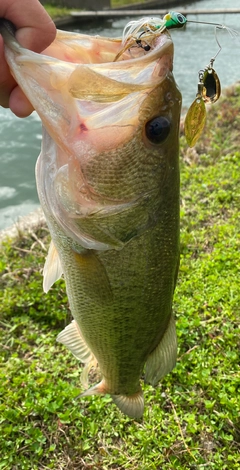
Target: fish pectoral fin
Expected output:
[132,406]
[94,278]
[52,270]
[72,338]
[162,360]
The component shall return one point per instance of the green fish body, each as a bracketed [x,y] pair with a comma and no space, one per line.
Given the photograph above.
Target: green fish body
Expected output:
[108,183]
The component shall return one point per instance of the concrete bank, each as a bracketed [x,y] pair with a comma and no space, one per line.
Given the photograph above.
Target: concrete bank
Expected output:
[82,16]
[26,224]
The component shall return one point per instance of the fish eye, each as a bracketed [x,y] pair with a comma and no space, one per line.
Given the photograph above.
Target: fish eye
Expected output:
[157,129]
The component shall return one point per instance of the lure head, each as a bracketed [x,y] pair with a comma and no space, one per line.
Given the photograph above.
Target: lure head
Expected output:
[173,19]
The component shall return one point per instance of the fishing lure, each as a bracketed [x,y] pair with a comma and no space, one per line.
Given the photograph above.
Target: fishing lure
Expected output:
[142,32]
[147,29]
[209,87]
[209,91]
[154,26]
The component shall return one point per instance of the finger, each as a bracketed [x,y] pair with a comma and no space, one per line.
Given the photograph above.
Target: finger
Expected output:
[35,29]
[7,82]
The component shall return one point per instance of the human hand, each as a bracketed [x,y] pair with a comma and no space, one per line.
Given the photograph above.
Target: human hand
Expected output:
[35,31]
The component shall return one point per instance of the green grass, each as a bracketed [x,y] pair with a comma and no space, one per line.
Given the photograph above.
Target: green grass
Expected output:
[191,419]
[57,12]
[119,3]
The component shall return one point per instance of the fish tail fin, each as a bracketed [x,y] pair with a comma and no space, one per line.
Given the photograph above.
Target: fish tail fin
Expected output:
[132,405]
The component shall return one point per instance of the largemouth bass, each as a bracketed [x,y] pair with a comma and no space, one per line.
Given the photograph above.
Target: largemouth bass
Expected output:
[108,182]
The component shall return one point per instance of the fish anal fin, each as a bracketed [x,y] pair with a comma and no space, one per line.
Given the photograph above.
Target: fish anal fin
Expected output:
[52,270]
[132,406]
[163,359]
[72,338]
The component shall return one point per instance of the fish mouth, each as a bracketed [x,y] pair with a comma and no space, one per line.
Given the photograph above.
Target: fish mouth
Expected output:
[78,86]
[137,63]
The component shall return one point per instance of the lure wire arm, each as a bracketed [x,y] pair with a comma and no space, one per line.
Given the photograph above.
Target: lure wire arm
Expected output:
[218,43]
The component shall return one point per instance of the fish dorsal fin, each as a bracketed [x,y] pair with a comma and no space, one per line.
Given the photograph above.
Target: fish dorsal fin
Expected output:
[72,338]
[52,270]
[162,360]
[132,406]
